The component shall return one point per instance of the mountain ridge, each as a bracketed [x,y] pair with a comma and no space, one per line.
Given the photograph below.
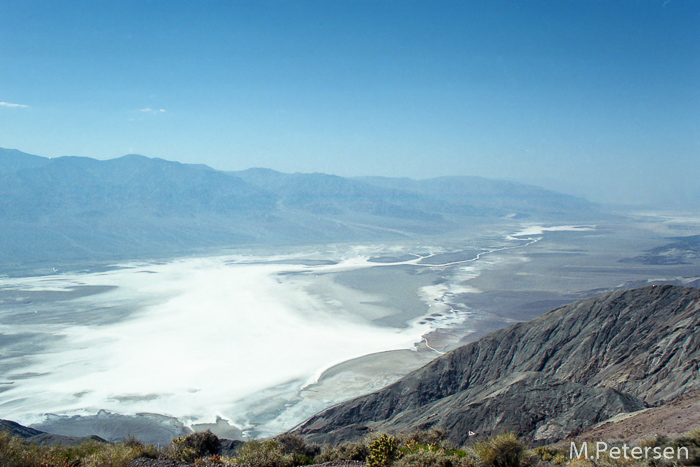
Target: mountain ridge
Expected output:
[78,208]
[546,379]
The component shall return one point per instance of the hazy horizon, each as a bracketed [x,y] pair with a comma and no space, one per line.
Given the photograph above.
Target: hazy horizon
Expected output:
[560,186]
[600,98]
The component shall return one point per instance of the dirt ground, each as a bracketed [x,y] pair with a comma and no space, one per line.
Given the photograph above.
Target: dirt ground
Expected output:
[672,420]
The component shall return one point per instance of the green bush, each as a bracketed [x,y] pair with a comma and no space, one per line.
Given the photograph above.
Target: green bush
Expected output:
[383,451]
[504,450]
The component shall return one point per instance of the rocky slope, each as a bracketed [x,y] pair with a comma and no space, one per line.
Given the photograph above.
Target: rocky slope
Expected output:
[546,379]
[672,420]
[41,437]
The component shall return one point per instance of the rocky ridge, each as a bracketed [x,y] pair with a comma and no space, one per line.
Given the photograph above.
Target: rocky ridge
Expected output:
[43,438]
[546,379]
[74,209]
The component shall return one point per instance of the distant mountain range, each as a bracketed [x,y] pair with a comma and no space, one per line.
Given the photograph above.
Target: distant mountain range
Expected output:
[546,379]
[73,208]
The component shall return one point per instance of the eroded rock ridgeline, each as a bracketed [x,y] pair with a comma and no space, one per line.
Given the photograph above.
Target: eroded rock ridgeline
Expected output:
[546,379]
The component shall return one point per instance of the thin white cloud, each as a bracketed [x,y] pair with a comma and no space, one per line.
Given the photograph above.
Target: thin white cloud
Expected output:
[16,106]
[152,111]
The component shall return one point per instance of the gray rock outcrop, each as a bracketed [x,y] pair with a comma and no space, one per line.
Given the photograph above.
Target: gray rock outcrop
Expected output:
[546,379]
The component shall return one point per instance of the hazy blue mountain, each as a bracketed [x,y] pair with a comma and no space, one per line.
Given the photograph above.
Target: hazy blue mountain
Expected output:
[497,195]
[74,208]
[12,160]
[333,195]
[81,208]
[131,184]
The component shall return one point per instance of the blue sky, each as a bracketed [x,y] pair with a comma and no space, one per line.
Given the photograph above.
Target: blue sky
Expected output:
[594,97]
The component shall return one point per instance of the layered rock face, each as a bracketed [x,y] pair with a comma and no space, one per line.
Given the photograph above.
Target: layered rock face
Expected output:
[546,379]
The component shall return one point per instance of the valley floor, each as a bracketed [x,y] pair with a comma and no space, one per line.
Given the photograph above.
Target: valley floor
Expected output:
[252,343]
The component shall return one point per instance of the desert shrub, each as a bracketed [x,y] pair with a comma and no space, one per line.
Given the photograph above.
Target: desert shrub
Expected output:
[132,442]
[581,462]
[180,451]
[203,442]
[504,450]
[213,459]
[296,445]
[270,453]
[435,436]
[72,455]
[470,459]
[112,455]
[423,458]
[383,451]
[16,452]
[428,458]
[352,451]
[689,441]
[194,446]
[289,443]
[433,440]
[259,454]
[658,441]
[695,435]
[545,453]
[144,450]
